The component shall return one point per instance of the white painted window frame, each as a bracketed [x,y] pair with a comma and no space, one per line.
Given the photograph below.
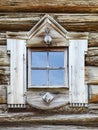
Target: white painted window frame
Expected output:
[65,50]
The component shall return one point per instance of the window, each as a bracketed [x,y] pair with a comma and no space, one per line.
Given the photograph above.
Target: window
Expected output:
[47,68]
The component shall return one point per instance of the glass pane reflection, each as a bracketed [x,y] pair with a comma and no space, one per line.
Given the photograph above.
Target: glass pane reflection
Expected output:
[56,59]
[39,77]
[39,59]
[56,77]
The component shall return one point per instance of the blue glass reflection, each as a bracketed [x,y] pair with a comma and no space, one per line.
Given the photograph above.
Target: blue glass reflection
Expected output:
[39,59]
[56,59]
[56,77]
[39,77]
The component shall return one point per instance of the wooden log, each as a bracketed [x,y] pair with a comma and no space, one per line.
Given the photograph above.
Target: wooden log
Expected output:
[49,6]
[35,120]
[79,27]
[92,51]
[59,17]
[44,6]
[92,56]
[4,66]
[3,94]
[93,93]
[93,39]
[4,75]
[91,75]
[25,21]
[4,58]
[91,61]
[2,38]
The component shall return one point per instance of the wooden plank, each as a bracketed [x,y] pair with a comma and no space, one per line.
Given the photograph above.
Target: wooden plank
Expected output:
[78,92]
[17,87]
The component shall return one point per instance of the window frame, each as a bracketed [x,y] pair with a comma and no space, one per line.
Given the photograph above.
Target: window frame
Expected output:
[65,50]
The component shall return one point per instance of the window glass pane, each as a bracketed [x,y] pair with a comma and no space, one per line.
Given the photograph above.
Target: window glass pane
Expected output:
[39,59]
[56,77]
[39,77]
[56,59]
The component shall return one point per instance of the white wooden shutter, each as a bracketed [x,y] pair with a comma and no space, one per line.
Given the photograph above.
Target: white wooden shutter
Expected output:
[17,87]
[77,87]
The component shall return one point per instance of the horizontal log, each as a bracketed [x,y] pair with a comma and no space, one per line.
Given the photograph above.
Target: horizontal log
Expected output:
[71,22]
[78,27]
[92,51]
[2,38]
[49,6]
[93,93]
[4,58]
[3,94]
[92,56]
[91,61]
[91,75]
[93,39]
[59,17]
[4,75]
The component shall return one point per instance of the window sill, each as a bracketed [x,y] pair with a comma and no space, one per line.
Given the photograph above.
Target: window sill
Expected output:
[48,87]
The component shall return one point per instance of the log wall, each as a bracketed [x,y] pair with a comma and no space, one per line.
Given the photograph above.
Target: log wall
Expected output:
[49,6]
[76,21]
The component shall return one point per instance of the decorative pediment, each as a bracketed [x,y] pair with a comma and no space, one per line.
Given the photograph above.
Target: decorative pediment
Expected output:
[35,37]
[37,34]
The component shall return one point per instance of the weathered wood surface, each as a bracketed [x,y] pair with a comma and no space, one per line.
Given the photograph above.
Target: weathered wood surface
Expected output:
[92,41]
[3,94]
[77,86]
[4,75]
[4,66]
[49,6]
[48,127]
[29,119]
[38,33]
[17,88]
[71,22]
[93,93]
[92,56]
[34,98]
[4,58]
[91,75]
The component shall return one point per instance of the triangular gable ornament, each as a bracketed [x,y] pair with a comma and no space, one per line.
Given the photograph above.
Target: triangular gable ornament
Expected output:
[47,26]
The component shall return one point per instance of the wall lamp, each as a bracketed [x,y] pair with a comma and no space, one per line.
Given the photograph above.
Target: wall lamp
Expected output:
[47,38]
